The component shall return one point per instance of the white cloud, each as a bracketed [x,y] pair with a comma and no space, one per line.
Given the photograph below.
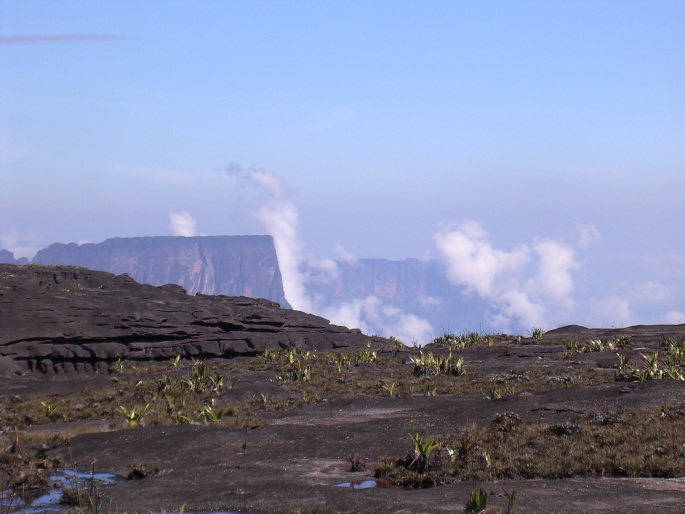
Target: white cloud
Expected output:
[268,181]
[517,305]
[610,311]
[524,287]
[280,219]
[554,279]
[472,261]
[651,292]
[182,224]
[372,316]
[674,318]
[588,235]
[20,245]
[343,255]
[430,301]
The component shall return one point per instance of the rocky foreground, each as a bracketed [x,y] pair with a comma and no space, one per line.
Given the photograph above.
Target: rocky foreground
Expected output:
[63,319]
[228,404]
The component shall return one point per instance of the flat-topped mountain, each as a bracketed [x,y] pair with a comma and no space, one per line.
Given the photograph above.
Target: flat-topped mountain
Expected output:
[248,266]
[57,319]
[230,265]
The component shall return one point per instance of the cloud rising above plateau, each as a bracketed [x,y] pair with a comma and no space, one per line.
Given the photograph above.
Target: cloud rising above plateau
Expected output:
[302,272]
[532,284]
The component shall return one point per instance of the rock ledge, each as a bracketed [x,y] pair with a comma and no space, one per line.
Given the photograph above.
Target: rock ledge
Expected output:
[63,319]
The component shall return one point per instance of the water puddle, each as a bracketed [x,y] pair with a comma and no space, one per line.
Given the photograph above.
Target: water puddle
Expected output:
[50,502]
[359,484]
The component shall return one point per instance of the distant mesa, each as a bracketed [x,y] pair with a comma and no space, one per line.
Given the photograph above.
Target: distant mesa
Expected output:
[228,265]
[248,266]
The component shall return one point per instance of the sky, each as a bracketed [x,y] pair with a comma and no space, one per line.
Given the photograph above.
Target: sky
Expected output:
[536,148]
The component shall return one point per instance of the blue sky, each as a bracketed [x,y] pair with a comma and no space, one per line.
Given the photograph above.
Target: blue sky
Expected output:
[388,125]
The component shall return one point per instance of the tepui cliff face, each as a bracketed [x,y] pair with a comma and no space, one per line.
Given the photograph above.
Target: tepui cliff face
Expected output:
[229,265]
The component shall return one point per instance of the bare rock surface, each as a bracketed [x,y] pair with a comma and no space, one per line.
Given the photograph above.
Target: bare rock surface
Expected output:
[62,319]
[297,458]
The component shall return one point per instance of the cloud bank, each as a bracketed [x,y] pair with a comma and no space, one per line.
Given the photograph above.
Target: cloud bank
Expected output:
[20,245]
[530,285]
[182,224]
[302,272]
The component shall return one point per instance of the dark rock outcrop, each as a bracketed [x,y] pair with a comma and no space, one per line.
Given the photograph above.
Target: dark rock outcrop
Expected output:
[230,265]
[56,319]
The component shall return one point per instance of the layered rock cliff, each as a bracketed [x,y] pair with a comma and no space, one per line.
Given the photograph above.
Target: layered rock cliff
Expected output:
[404,281]
[230,265]
[60,319]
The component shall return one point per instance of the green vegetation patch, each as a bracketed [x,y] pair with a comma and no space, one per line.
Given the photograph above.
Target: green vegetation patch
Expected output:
[609,443]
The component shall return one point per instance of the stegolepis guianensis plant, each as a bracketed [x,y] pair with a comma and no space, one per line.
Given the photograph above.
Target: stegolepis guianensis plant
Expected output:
[134,415]
[365,355]
[452,341]
[423,447]
[427,364]
[477,502]
[537,333]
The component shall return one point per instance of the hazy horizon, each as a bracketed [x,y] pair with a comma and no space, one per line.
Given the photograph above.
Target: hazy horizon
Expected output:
[534,148]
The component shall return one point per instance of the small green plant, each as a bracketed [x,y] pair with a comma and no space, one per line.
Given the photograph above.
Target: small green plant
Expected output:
[117,366]
[165,383]
[429,390]
[423,447]
[427,364]
[397,345]
[134,415]
[298,372]
[201,380]
[271,354]
[341,360]
[182,419]
[537,333]
[477,502]
[496,393]
[390,388]
[210,413]
[49,408]
[593,345]
[452,341]
[365,355]
[511,498]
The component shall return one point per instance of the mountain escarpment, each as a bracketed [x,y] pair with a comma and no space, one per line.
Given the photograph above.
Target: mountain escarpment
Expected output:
[230,265]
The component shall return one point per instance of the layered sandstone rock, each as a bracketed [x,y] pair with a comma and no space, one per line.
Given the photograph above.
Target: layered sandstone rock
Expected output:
[57,319]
